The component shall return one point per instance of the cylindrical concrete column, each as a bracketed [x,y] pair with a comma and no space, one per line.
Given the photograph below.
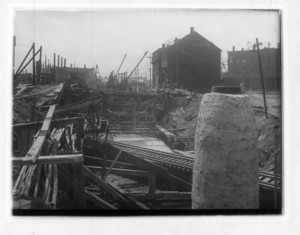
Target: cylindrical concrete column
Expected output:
[225,174]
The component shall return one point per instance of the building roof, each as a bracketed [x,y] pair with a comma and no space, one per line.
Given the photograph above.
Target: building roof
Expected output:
[265,49]
[194,33]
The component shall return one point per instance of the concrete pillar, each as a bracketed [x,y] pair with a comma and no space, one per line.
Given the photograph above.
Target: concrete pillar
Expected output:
[225,174]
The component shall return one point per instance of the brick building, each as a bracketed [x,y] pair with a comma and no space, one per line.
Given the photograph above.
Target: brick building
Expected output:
[243,67]
[191,62]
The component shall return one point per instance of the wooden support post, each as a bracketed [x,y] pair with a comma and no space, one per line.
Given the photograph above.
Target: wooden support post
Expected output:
[19,70]
[262,78]
[80,133]
[40,66]
[152,180]
[54,57]
[134,116]
[14,49]
[37,184]
[78,184]
[275,168]
[55,185]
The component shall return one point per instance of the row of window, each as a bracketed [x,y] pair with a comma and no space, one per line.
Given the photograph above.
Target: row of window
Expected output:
[251,70]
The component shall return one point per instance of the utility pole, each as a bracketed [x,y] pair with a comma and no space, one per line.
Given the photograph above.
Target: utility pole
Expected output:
[13,72]
[14,51]
[261,77]
[54,55]
[39,66]
[176,54]
[150,58]
[33,63]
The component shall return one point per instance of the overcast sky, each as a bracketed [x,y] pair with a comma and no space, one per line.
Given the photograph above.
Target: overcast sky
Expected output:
[103,37]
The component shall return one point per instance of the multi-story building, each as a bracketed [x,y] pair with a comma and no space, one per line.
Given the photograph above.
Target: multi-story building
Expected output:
[243,67]
[192,62]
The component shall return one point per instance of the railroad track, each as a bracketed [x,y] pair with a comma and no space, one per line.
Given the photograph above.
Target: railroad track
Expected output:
[181,163]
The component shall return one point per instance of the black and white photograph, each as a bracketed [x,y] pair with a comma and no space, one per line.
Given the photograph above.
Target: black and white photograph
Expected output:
[146,111]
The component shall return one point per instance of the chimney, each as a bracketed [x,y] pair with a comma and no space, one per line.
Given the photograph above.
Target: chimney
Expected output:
[233,48]
[269,45]
[191,30]
[242,49]
[254,47]
[175,40]
[163,45]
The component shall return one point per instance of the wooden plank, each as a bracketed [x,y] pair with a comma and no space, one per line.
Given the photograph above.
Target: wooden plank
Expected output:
[36,148]
[164,131]
[98,201]
[58,159]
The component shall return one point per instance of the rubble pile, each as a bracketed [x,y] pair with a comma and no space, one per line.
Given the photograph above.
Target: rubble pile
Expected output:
[26,105]
[24,111]
[183,119]
[269,140]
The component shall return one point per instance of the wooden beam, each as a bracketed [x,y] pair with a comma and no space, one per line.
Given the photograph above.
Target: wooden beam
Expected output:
[56,122]
[164,131]
[162,196]
[36,148]
[119,171]
[101,184]
[58,159]
[96,159]
[134,202]
[98,201]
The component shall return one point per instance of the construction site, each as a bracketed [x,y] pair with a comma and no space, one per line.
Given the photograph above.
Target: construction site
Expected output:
[83,144]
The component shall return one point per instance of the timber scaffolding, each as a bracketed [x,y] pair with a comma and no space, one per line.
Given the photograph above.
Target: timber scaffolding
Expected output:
[67,161]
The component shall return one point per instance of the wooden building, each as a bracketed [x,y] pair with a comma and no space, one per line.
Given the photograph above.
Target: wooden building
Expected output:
[192,63]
